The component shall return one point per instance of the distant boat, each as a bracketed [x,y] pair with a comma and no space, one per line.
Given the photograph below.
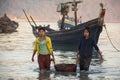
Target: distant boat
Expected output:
[68,39]
[7,25]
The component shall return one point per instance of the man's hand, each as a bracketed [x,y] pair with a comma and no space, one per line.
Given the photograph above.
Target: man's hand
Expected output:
[53,60]
[77,59]
[100,56]
[32,59]
[33,55]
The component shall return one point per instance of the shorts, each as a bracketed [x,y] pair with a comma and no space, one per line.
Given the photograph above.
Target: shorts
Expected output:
[85,63]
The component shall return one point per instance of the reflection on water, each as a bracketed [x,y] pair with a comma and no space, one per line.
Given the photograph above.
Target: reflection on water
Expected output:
[16,51]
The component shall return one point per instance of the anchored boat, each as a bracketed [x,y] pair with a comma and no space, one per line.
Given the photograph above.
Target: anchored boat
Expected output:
[7,25]
[68,39]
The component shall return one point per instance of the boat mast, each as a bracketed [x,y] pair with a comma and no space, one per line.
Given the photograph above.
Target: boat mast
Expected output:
[63,20]
[75,13]
[75,9]
[64,11]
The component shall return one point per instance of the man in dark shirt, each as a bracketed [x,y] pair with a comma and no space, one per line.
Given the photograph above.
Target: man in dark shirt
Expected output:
[85,50]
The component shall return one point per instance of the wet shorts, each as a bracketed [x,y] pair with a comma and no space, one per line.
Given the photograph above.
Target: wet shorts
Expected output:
[84,63]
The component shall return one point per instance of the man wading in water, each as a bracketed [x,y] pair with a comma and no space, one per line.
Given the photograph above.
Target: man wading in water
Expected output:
[85,50]
[43,47]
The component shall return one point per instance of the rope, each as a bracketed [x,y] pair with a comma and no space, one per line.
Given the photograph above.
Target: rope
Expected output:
[110,39]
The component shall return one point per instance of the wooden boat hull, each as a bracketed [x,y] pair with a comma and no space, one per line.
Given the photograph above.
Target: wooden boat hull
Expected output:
[9,27]
[69,39]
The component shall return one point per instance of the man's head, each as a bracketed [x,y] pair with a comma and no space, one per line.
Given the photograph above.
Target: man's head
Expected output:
[86,32]
[41,31]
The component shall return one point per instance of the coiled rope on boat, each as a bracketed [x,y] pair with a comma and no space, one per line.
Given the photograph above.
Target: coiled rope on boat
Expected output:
[110,39]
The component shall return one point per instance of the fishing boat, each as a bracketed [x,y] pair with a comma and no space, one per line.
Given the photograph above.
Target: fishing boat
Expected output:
[68,39]
[7,25]
[65,39]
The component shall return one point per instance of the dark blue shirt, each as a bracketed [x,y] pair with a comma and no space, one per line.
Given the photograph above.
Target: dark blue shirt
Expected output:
[86,47]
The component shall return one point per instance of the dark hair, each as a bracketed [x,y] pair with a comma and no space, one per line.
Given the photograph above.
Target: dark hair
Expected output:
[41,29]
[88,29]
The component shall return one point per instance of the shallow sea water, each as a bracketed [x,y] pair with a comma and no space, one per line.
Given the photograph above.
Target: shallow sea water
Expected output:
[16,51]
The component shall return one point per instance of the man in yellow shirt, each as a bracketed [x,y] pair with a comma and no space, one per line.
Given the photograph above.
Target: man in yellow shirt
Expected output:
[43,47]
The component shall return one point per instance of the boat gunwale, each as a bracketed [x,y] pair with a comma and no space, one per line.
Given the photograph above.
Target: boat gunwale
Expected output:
[78,28]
